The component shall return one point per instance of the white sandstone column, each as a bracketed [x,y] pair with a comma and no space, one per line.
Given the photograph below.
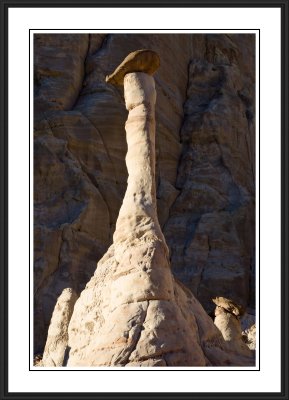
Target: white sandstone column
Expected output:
[138,213]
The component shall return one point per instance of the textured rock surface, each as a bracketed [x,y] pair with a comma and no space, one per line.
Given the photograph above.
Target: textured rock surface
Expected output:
[249,336]
[248,324]
[57,339]
[205,161]
[229,305]
[213,217]
[143,60]
[229,325]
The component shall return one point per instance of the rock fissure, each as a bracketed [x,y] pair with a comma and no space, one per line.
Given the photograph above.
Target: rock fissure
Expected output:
[138,336]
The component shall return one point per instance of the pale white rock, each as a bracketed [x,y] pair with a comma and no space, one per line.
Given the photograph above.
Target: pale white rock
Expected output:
[137,215]
[249,336]
[57,338]
[248,325]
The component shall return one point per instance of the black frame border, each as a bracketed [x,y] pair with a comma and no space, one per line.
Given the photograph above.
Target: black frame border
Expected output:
[30,306]
[4,8]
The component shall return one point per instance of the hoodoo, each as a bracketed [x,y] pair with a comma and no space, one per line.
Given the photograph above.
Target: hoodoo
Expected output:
[133,312]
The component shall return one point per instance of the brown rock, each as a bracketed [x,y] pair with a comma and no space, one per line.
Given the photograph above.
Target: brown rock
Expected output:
[58,70]
[229,306]
[147,61]
[213,216]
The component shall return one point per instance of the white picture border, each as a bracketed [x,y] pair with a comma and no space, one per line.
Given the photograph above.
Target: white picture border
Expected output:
[21,20]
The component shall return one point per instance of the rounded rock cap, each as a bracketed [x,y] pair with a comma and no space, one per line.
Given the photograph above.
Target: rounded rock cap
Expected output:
[229,306]
[144,60]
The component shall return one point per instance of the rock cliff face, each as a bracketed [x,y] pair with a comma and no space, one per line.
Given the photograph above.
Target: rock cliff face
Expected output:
[205,161]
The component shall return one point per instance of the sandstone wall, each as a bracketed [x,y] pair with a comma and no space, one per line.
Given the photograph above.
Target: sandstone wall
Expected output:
[205,172]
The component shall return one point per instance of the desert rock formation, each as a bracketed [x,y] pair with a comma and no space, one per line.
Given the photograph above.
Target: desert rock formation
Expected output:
[133,312]
[228,322]
[57,339]
[205,161]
